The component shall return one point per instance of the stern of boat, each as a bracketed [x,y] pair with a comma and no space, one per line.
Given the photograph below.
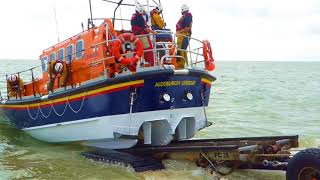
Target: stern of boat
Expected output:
[170,105]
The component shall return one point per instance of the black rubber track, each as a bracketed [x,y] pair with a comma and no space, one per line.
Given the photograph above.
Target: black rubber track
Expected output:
[139,164]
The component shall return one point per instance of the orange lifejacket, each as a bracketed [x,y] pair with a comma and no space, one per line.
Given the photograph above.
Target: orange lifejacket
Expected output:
[138,24]
[156,20]
[15,87]
[58,69]
[184,21]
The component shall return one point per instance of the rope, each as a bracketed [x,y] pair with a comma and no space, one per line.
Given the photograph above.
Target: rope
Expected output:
[33,118]
[65,108]
[76,111]
[48,113]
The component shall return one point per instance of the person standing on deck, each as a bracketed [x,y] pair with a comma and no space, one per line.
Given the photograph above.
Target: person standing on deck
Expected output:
[139,26]
[157,22]
[145,15]
[183,31]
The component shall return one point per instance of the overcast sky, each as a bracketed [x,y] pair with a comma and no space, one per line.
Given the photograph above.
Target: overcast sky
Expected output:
[238,29]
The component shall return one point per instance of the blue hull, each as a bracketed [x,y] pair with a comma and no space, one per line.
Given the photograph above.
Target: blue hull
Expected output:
[147,93]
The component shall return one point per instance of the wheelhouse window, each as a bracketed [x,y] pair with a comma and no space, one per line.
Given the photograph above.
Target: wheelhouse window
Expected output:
[79,49]
[44,63]
[61,54]
[69,53]
[52,57]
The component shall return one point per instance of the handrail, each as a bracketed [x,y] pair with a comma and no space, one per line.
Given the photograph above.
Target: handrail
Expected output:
[124,4]
[188,37]
[121,19]
[118,3]
[73,54]
[101,60]
[165,56]
[103,42]
[199,62]
[144,35]
[161,50]
[98,62]
[169,32]
[19,72]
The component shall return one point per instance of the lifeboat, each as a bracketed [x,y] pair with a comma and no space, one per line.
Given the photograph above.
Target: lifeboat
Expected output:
[96,88]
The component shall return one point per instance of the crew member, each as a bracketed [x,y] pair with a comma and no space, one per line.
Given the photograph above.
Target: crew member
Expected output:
[15,85]
[139,26]
[145,15]
[183,31]
[157,22]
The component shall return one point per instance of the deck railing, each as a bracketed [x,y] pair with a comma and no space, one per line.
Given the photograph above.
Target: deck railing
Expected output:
[160,50]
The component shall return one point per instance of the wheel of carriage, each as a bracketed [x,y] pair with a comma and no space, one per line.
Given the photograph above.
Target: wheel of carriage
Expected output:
[305,165]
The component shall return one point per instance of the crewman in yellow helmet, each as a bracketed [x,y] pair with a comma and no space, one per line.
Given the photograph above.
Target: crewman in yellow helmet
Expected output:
[157,22]
[183,31]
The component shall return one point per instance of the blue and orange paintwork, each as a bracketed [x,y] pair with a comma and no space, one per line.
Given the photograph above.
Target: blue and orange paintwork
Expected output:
[106,97]
[112,100]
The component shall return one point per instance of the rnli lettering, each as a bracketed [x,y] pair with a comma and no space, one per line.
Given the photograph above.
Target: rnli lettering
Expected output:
[175,83]
[221,155]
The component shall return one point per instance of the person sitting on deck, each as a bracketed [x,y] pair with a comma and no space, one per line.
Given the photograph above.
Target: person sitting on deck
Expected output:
[183,31]
[140,27]
[157,22]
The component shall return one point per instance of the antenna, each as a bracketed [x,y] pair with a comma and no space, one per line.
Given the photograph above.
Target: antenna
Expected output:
[56,20]
[161,13]
[149,19]
[82,26]
[121,18]
[91,21]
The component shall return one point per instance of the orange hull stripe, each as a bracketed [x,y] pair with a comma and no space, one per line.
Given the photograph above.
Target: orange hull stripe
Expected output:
[206,81]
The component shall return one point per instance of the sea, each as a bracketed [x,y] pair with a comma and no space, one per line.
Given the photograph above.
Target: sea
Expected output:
[247,99]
